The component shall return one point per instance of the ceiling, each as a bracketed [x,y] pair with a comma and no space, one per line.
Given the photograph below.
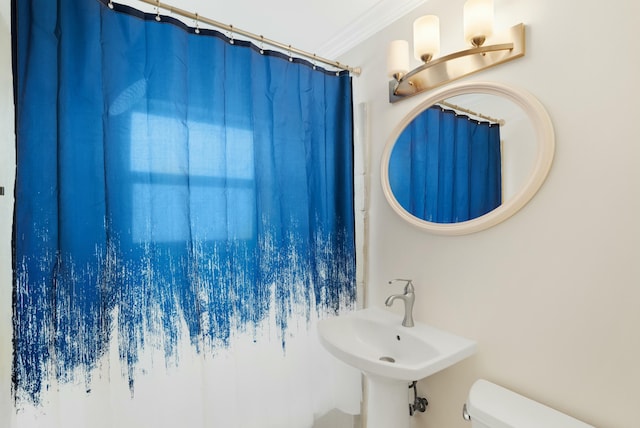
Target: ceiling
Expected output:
[327,28]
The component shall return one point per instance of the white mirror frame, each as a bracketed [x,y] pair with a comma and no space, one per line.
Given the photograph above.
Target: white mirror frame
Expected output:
[545,150]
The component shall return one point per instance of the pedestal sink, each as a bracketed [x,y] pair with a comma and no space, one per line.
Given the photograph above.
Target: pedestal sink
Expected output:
[390,356]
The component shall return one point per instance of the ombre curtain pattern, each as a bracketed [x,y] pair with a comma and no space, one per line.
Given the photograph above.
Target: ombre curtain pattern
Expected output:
[183,202]
[446,167]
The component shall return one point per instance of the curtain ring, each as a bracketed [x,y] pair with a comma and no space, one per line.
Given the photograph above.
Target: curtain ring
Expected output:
[290,57]
[261,45]
[314,62]
[110,5]
[197,30]
[231,41]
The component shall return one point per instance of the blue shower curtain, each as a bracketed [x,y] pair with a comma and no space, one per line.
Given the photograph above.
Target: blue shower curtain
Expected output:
[172,187]
[446,167]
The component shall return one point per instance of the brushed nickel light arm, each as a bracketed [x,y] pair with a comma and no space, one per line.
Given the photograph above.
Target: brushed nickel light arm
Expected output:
[505,47]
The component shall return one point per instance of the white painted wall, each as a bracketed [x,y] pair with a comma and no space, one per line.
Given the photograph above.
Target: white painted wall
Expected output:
[551,295]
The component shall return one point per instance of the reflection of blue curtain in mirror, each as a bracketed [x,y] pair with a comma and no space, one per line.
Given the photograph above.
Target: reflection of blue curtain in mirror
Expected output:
[171,188]
[446,167]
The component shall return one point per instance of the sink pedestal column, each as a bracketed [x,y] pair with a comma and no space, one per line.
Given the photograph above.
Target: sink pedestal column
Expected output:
[387,402]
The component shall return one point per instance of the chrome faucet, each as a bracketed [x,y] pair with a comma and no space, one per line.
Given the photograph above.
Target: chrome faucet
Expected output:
[409,296]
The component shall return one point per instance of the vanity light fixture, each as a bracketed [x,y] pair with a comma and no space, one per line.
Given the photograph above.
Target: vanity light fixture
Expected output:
[487,50]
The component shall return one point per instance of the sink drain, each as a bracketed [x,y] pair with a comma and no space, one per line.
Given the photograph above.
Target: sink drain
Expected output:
[388,359]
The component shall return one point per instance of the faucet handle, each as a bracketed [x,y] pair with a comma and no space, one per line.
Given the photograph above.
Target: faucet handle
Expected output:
[408,288]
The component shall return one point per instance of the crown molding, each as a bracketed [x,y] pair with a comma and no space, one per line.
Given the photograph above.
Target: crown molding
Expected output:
[378,17]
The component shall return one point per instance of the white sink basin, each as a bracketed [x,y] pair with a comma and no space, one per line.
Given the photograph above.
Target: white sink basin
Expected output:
[374,341]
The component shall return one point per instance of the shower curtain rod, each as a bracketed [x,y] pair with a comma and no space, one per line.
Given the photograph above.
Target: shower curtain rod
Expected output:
[233,30]
[500,122]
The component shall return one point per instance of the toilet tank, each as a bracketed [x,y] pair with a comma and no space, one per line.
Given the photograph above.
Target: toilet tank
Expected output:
[492,406]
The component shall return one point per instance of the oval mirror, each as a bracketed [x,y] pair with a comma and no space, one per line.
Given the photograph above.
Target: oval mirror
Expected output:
[502,172]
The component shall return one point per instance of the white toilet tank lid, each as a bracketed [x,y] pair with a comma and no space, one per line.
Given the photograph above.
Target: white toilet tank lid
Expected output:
[498,407]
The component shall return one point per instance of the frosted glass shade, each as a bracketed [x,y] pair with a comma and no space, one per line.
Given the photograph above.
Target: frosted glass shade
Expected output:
[426,37]
[398,58]
[478,20]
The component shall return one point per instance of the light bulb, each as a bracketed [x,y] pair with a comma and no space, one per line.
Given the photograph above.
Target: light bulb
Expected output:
[478,21]
[426,37]
[398,59]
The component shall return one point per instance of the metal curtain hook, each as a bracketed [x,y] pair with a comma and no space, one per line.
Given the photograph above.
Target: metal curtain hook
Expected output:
[158,10]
